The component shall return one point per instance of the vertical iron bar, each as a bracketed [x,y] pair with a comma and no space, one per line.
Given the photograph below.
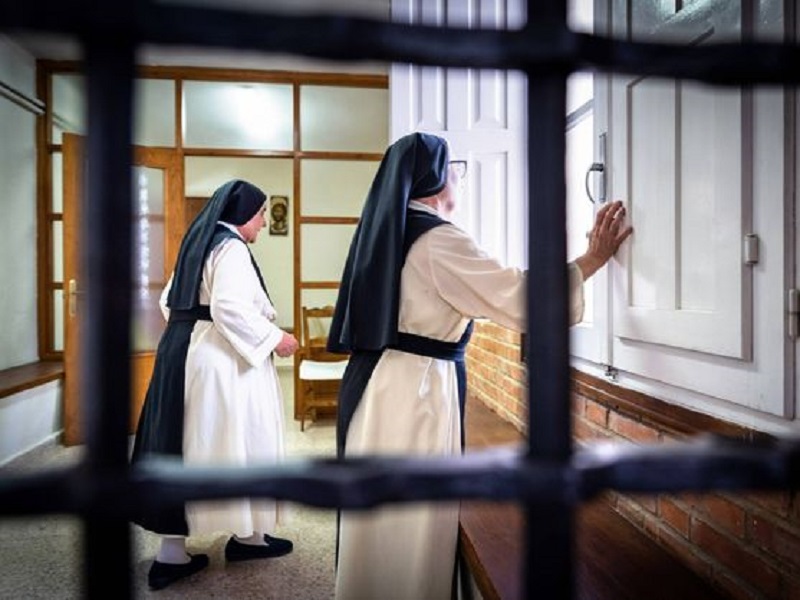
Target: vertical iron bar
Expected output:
[549,524]
[107,243]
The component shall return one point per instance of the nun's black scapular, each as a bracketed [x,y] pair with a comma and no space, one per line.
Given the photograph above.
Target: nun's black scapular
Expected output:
[160,428]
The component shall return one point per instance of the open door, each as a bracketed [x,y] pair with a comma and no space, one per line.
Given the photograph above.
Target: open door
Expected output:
[158,228]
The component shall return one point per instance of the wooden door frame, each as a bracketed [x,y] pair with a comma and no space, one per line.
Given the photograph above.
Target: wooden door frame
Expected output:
[167,159]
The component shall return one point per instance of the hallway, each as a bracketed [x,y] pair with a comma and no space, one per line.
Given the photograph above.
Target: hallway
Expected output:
[40,557]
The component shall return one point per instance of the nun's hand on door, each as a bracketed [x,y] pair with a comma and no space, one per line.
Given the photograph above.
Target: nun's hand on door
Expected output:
[609,231]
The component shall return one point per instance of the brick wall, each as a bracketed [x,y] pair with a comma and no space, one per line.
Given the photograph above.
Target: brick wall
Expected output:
[496,374]
[746,544]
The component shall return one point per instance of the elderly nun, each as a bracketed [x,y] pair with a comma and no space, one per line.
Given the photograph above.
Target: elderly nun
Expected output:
[412,284]
[214,397]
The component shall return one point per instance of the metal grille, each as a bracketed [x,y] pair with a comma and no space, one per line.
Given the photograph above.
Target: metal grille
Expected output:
[550,479]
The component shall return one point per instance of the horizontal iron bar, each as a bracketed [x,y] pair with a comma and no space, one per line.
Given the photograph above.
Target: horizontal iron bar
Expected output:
[540,47]
[502,474]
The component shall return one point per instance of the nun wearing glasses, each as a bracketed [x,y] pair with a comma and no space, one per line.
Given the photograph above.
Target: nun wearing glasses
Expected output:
[412,284]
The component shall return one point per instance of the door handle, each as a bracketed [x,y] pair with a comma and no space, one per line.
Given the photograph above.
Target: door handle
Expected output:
[596,168]
[72,295]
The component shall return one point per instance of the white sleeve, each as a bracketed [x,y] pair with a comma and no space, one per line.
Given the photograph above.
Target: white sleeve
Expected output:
[162,301]
[479,286]
[238,301]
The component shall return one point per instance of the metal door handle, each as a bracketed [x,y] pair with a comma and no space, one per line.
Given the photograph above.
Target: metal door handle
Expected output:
[73,291]
[599,168]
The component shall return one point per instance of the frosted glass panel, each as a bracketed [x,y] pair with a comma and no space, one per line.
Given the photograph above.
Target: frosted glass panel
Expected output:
[58,320]
[325,251]
[344,119]
[148,322]
[154,111]
[148,190]
[206,174]
[255,116]
[58,251]
[148,267]
[69,105]
[58,185]
[335,187]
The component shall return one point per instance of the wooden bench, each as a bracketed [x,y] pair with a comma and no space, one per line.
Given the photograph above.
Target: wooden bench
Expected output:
[26,377]
[614,560]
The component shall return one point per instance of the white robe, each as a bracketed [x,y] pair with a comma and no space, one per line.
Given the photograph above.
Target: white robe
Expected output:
[410,407]
[233,413]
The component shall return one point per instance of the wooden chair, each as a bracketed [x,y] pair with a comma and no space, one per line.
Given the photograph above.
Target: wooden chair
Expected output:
[319,371]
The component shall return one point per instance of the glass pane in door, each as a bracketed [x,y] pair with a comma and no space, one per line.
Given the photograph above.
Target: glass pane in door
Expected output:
[148,267]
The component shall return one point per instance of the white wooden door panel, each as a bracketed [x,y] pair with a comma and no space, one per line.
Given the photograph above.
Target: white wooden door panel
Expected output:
[699,168]
[480,113]
[682,172]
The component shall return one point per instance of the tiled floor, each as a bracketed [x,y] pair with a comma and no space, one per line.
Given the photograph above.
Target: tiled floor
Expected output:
[41,557]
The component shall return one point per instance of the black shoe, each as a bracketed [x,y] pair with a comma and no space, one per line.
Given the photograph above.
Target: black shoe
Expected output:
[163,574]
[235,551]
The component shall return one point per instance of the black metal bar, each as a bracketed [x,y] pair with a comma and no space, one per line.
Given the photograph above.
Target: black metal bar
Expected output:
[107,238]
[548,478]
[544,46]
[549,527]
[703,464]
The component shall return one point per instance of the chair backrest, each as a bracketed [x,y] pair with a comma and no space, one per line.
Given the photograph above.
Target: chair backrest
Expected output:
[314,337]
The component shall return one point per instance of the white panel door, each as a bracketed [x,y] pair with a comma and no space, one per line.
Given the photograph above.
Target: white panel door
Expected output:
[480,113]
[684,174]
[699,168]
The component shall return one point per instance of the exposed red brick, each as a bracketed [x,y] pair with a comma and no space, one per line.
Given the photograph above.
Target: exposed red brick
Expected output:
[791,588]
[648,502]
[749,542]
[674,515]
[518,372]
[735,588]
[632,430]
[776,540]
[578,405]
[584,431]
[631,511]
[513,387]
[597,413]
[737,558]
[682,550]
[650,524]
[722,512]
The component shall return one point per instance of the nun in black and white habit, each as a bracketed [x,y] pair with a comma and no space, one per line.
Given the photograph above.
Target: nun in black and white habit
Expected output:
[214,397]
[411,286]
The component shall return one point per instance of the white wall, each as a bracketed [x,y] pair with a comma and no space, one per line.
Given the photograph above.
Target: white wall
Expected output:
[18,342]
[274,254]
[31,417]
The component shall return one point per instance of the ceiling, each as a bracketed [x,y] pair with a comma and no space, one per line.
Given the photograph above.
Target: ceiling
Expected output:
[63,48]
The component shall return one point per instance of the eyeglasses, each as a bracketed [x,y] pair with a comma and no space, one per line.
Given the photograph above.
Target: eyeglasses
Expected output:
[459,168]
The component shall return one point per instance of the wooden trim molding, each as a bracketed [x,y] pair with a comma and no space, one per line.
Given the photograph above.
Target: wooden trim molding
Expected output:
[670,418]
[25,377]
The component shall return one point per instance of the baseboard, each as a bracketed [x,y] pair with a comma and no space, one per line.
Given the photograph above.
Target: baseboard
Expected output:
[53,439]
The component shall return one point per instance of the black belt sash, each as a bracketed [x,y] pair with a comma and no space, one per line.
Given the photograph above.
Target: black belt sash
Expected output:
[423,346]
[201,312]
[362,364]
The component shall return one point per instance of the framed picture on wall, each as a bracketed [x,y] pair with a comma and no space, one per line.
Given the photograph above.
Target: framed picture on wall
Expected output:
[279,215]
